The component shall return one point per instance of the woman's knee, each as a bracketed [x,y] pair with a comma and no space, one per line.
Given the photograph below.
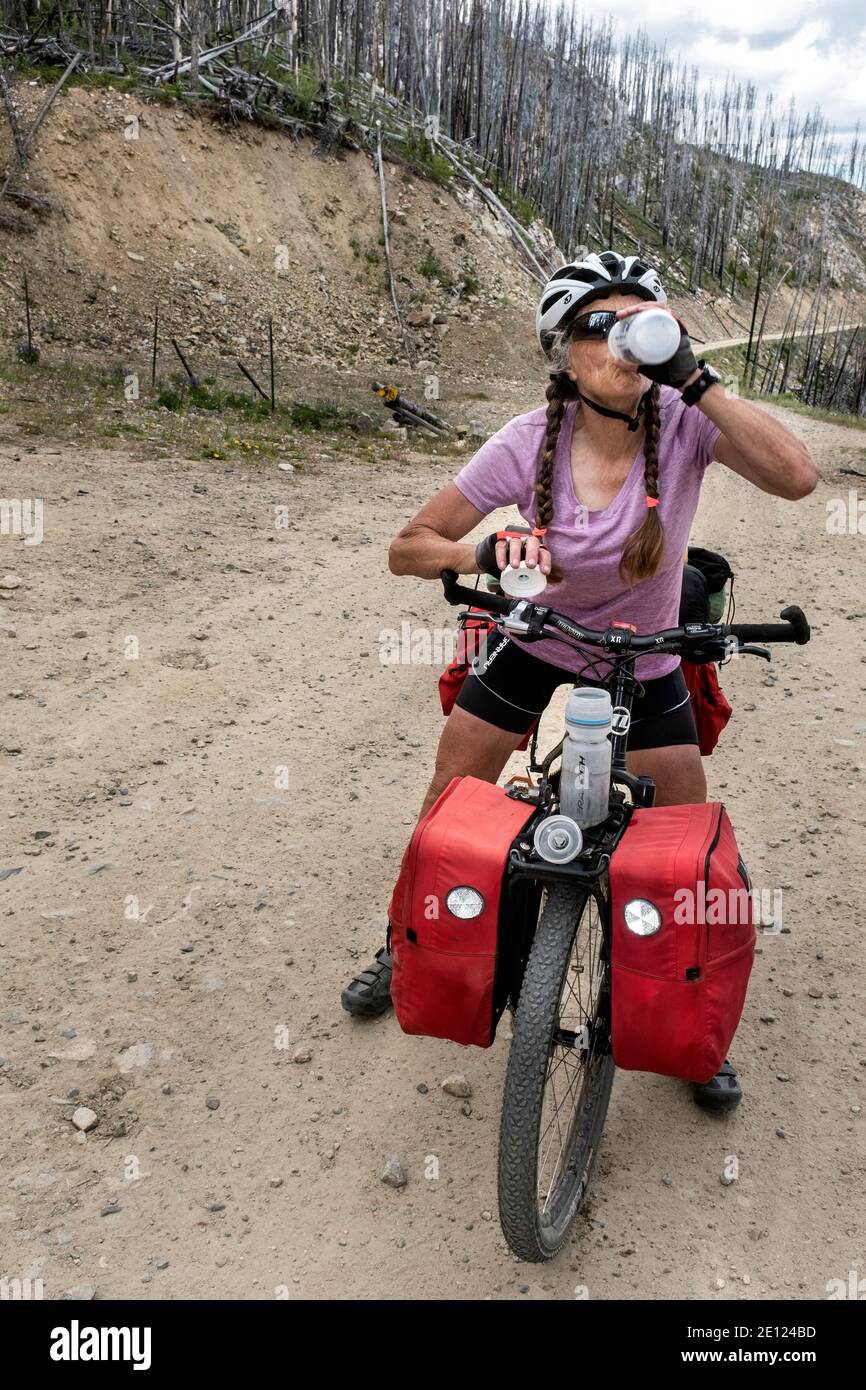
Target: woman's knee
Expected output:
[469,747]
[677,771]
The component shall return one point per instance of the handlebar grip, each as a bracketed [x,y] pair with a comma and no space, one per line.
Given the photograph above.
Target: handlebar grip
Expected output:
[762,632]
[479,598]
[797,618]
[794,629]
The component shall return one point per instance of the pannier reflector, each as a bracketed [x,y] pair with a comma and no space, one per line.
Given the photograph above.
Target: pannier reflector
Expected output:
[465,903]
[642,917]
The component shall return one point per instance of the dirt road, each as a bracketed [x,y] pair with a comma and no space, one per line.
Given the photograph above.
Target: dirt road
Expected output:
[721,343]
[208,778]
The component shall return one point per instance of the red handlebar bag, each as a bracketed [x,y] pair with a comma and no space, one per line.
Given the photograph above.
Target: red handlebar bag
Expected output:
[677,992]
[470,638]
[710,705]
[445,981]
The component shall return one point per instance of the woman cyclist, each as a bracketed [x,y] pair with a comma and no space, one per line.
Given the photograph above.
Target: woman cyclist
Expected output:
[608,476]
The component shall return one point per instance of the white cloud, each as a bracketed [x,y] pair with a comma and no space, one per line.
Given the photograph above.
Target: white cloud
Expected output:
[813,52]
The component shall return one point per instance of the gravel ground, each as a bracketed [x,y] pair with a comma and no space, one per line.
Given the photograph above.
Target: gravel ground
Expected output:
[209,777]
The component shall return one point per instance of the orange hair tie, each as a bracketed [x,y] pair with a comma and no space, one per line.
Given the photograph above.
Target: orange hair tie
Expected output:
[539,530]
[652,501]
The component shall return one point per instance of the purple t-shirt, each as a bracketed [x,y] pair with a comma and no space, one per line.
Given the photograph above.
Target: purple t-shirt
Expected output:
[587,545]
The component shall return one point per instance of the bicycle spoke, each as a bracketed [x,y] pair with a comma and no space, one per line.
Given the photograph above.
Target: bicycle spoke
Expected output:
[563,1148]
[555,1121]
[570,1064]
[550,1077]
[562,1145]
[577,1075]
[571,1101]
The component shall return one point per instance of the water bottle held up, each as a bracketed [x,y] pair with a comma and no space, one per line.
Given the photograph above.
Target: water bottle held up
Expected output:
[647,338]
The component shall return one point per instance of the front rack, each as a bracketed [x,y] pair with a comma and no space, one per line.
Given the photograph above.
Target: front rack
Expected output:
[586,870]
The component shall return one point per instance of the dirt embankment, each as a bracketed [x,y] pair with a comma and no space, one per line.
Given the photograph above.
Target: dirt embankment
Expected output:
[226,227]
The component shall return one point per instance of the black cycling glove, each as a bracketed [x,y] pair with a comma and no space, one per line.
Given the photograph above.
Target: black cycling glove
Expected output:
[677,370]
[485,551]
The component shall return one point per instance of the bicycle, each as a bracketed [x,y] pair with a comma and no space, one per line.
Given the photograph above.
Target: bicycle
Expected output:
[560,1068]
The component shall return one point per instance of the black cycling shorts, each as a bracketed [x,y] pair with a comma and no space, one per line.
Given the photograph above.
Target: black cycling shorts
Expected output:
[510,688]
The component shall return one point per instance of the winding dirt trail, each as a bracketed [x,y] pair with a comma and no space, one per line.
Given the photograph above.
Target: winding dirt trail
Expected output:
[721,343]
[204,825]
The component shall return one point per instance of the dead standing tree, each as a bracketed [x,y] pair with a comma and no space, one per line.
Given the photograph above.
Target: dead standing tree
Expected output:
[407,344]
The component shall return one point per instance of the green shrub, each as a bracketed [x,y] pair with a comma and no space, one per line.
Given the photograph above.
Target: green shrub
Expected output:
[167,92]
[312,417]
[427,159]
[204,399]
[303,92]
[433,269]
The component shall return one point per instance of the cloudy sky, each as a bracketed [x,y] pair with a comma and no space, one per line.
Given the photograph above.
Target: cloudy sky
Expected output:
[814,50]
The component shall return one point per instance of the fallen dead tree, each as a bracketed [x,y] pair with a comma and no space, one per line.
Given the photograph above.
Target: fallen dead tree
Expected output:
[407,412]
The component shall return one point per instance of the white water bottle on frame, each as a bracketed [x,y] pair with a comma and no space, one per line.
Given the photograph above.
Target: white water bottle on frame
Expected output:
[584,781]
[650,337]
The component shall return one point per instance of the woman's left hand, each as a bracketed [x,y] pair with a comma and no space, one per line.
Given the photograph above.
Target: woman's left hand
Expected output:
[680,369]
[752,443]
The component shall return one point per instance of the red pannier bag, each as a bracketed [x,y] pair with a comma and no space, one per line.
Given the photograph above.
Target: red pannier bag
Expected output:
[444,981]
[469,641]
[710,705]
[678,993]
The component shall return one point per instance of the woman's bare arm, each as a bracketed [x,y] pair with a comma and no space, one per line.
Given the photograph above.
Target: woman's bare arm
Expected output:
[430,542]
[752,443]
[758,447]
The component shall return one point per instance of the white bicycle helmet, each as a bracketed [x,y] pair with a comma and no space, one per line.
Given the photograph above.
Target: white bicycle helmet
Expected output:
[572,286]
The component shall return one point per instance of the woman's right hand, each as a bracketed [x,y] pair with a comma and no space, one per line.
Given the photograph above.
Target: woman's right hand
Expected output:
[511,546]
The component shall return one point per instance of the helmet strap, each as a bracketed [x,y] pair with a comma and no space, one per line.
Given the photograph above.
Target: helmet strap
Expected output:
[633,421]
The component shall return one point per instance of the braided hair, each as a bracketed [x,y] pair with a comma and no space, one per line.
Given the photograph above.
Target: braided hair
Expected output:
[643,550]
[560,390]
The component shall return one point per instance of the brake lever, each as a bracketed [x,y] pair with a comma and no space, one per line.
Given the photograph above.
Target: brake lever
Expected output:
[748,649]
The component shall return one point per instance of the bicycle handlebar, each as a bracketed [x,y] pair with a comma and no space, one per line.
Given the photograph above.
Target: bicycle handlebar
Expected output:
[479,598]
[794,628]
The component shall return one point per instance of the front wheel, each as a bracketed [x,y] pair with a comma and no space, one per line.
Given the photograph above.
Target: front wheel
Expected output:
[559,1076]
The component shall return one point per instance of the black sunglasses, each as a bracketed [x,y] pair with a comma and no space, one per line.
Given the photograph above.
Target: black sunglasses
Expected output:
[594,325]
